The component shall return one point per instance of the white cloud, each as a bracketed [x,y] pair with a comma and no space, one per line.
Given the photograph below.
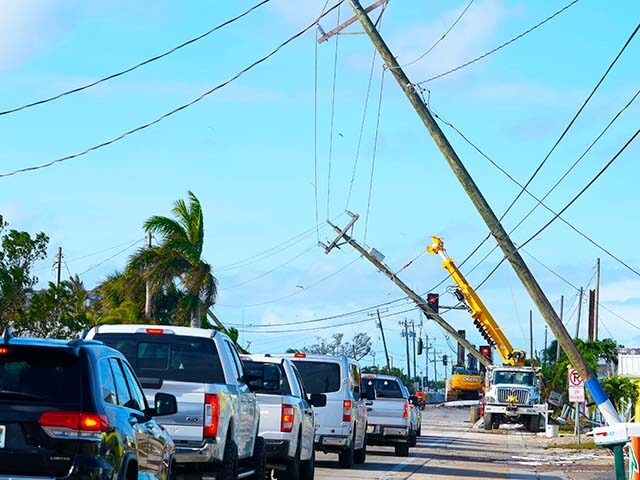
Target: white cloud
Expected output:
[469,38]
[26,26]
[621,291]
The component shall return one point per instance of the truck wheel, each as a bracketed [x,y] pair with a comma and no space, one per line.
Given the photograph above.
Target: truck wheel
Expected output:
[229,468]
[308,470]
[259,460]
[488,421]
[293,470]
[360,455]
[534,423]
[402,449]
[346,456]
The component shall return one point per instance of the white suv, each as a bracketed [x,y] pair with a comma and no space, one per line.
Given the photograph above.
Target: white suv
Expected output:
[286,419]
[341,425]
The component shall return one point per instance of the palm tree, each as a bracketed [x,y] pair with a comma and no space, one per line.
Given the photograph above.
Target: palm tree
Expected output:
[178,259]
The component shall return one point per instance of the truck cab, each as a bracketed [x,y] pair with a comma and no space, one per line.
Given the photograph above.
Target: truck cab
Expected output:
[512,395]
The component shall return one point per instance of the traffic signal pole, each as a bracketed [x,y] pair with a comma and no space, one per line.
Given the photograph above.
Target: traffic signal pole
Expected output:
[493,223]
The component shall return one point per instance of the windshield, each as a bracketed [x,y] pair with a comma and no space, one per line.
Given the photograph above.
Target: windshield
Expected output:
[385,388]
[40,375]
[464,371]
[169,357]
[319,377]
[513,377]
[255,368]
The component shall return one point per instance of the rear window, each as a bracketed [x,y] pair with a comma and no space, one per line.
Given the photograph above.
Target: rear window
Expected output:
[169,357]
[386,388]
[255,368]
[319,377]
[40,375]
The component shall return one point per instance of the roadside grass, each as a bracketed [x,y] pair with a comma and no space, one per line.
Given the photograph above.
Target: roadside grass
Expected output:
[573,445]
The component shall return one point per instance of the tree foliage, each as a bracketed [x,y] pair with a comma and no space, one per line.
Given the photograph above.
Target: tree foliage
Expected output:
[621,390]
[358,348]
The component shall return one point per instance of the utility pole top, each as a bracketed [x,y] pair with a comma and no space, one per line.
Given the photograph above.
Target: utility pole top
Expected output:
[338,30]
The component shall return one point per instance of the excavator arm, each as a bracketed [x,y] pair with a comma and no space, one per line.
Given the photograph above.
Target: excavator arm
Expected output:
[482,319]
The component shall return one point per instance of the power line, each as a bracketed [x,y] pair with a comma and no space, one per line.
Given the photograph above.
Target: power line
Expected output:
[136,66]
[442,37]
[375,153]
[315,132]
[500,47]
[111,257]
[302,290]
[362,125]
[333,114]
[565,131]
[264,274]
[540,201]
[175,110]
[568,205]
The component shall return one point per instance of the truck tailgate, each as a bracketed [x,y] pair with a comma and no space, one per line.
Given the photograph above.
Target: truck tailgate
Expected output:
[270,414]
[387,411]
[187,424]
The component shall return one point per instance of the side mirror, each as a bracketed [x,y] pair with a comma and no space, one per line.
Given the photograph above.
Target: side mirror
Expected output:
[370,392]
[164,404]
[318,400]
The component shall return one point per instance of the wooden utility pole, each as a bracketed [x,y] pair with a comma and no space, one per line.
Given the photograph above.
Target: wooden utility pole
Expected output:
[597,302]
[426,360]
[384,340]
[147,287]
[561,321]
[413,337]
[435,370]
[493,223]
[420,302]
[592,315]
[579,312]
[58,266]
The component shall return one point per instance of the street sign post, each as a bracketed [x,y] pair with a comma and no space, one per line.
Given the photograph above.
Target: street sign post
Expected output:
[576,395]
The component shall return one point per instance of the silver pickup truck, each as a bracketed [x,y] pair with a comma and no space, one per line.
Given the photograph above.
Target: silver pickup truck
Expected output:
[388,413]
[216,427]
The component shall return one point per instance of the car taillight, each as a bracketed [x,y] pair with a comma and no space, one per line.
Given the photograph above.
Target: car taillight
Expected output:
[76,425]
[155,331]
[346,411]
[286,418]
[299,355]
[211,415]
[4,351]
[406,410]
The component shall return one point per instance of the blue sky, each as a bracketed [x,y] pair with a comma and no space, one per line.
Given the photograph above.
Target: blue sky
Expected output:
[247,150]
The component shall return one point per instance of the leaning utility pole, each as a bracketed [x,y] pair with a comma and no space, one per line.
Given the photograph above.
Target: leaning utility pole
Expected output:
[384,340]
[374,257]
[495,227]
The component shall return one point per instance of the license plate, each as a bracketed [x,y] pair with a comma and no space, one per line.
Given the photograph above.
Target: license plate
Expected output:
[3,431]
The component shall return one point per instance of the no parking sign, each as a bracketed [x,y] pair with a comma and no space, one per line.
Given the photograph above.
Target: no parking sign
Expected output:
[576,387]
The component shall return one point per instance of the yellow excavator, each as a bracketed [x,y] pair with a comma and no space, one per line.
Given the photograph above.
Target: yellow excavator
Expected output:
[465,383]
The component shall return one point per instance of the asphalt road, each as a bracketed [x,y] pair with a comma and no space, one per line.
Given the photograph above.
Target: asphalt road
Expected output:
[451,449]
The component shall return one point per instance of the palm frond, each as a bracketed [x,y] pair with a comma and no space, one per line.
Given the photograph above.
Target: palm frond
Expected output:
[166,227]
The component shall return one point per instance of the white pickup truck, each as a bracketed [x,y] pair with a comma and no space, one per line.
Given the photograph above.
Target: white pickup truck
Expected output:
[287,420]
[388,413]
[216,426]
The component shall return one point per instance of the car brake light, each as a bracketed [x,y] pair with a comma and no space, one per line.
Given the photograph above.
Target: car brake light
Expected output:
[299,355]
[76,425]
[286,418]
[406,410]
[211,415]
[155,331]
[346,411]
[4,351]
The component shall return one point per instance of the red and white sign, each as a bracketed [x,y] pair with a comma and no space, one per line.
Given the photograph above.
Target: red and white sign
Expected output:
[574,378]
[576,387]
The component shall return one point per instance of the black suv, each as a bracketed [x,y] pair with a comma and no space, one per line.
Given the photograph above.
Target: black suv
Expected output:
[75,410]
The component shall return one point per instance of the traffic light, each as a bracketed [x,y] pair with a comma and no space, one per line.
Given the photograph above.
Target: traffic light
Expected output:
[486,351]
[433,299]
[420,346]
[445,360]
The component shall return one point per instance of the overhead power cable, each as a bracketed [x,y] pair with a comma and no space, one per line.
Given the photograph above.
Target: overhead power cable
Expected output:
[119,252]
[175,110]
[136,66]
[565,131]
[567,206]
[442,37]
[540,201]
[333,115]
[500,47]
